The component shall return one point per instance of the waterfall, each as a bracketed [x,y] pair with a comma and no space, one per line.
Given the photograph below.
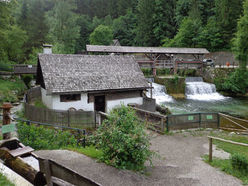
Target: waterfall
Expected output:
[196,89]
[159,93]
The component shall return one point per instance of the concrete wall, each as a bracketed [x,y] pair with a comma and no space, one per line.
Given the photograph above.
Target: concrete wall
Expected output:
[46,99]
[113,100]
[80,104]
[113,103]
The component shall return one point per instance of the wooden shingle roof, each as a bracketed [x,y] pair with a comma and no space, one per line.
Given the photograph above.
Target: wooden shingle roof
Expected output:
[145,50]
[85,73]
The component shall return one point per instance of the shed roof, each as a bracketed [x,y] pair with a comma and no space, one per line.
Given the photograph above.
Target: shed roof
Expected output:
[145,50]
[87,73]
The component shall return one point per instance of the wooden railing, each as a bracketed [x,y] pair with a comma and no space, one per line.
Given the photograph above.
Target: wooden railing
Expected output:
[57,174]
[223,140]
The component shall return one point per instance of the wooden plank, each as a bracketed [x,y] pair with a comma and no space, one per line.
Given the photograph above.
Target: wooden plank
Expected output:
[229,141]
[21,151]
[66,174]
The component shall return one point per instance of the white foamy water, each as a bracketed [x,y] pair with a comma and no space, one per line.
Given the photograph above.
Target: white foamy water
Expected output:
[159,93]
[199,90]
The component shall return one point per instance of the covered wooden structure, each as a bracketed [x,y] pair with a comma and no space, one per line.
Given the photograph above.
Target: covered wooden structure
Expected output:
[168,57]
[25,69]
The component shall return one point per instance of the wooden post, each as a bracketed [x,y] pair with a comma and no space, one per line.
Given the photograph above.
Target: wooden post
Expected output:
[151,89]
[68,114]
[210,149]
[48,173]
[162,124]
[6,118]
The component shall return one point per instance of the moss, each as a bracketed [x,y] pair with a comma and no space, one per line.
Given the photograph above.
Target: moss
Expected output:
[175,85]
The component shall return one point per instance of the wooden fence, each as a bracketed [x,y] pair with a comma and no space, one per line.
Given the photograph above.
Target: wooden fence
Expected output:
[77,119]
[194,120]
[58,174]
[223,140]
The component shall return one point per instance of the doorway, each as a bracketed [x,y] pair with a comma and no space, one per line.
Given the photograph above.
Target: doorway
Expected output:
[100,103]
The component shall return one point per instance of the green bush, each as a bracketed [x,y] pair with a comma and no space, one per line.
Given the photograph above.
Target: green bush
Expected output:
[123,140]
[27,79]
[147,71]
[163,72]
[240,163]
[44,138]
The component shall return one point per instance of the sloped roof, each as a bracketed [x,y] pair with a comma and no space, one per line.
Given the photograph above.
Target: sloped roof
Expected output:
[85,73]
[145,50]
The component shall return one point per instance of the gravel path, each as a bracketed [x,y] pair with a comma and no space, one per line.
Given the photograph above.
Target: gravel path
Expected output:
[180,163]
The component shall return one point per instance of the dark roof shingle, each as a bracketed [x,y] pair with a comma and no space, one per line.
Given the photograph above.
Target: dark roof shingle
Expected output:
[85,73]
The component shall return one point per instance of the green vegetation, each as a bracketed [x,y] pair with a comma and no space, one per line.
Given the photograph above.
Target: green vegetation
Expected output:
[123,140]
[238,164]
[10,89]
[38,103]
[69,24]
[44,138]
[102,35]
[90,151]
[4,181]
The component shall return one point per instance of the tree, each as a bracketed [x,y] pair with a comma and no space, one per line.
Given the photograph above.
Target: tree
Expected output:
[164,24]
[85,24]
[64,30]
[123,140]
[227,13]
[102,35]
[124,29]
[145,12]
[240,42]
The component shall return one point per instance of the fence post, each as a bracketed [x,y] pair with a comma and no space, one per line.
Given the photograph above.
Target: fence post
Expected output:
[162,124]
[6,118]
[68,113]
[167,123]
[218,120]
[210,149]
[199,120]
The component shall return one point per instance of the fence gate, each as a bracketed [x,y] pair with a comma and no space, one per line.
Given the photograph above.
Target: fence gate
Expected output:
[194,120]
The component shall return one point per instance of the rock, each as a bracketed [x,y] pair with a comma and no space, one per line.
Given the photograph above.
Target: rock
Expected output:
[231,133]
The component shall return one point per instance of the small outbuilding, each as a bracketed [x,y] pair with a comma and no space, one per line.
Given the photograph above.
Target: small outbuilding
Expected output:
[89,82]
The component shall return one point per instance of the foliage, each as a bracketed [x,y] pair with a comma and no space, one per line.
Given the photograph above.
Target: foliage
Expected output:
[236,82]
[240,41]
[240,163]
[123,140]
[124,29]
[27,78]
[102,35]
[145,11]
[63,31]
[38,103]
[10,89]
[44,138]
[90,151]
[147,71]
[226,166]
[4,181]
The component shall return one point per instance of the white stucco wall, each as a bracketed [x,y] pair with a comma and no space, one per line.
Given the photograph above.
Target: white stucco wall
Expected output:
[113,103]
[81,104]
[53,102]
[46,99]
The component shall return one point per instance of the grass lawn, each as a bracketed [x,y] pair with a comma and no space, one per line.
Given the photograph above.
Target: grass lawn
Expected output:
[90,151]
[10,89]
[4,181]
[226,165]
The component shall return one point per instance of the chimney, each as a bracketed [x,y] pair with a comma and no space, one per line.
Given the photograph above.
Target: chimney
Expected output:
[47,49]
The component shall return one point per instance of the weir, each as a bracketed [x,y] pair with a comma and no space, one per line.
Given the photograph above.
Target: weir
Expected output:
[159,93]
[196,89]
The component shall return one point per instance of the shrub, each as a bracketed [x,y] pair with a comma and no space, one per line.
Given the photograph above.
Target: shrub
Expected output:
[147,71]
[240,162]
[44,138]
[123,140]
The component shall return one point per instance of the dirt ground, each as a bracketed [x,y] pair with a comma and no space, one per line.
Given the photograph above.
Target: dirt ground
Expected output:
[180,163]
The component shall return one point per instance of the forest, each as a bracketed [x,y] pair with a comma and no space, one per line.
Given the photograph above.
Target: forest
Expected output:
[71,24]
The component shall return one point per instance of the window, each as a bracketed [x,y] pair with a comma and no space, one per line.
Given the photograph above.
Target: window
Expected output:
[70,97]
